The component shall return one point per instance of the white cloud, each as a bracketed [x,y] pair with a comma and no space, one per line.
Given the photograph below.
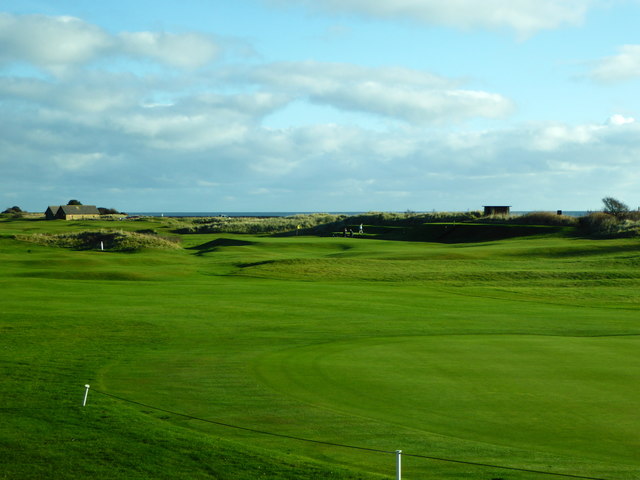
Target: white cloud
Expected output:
[618,119]
[189,50]
[57,44]
[87,93]
[618,68]
[523,16]
[53,43]
[317,77]
[207,184]
[397,93]
[77,161]
[555,136]
[176,131]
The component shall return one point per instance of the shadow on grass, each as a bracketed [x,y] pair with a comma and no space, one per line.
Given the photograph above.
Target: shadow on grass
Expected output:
[460,233]
[218,243]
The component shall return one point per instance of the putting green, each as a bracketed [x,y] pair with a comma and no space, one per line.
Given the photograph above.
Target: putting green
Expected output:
[564,395]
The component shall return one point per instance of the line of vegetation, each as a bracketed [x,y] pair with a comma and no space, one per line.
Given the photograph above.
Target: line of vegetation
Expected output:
[597,224]
[318,223]
[615,220]
[111,240]
[533,218]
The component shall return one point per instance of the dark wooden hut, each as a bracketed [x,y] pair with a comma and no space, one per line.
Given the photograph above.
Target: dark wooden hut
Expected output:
[497,210]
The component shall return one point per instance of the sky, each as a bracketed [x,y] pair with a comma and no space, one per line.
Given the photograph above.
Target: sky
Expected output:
[319,105]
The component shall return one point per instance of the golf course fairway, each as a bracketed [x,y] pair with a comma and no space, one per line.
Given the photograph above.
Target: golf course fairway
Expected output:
[302,357]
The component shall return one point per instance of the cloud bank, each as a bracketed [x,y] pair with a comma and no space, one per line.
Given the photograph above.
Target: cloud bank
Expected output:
[196,136]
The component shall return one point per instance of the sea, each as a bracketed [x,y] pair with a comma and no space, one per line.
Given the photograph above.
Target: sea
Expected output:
[288,214]
[233,214]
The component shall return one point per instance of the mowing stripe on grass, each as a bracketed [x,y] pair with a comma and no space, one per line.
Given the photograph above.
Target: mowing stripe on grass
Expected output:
[291,437]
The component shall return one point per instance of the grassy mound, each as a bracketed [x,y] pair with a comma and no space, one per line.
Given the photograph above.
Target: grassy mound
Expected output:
[120,241]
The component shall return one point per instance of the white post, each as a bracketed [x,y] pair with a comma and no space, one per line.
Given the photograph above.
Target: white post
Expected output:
[398,464]
[101,245]
[86,394]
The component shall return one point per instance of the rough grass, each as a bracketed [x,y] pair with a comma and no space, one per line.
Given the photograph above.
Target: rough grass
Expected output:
[110,240]
[532,218]
[320,223]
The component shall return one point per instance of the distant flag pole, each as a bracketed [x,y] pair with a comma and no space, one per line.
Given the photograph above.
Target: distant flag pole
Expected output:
[86,394]
[297,229]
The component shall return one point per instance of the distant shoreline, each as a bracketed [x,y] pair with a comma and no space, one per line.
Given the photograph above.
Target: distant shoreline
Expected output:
[570,213]
[236,214]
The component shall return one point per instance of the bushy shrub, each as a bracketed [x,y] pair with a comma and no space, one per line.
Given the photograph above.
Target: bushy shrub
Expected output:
[600,224]
[109,211]
[633,215]
[412,218]
[14,209]
[629,228]
[15,212]
[532,218]
[545,218]
[255,225]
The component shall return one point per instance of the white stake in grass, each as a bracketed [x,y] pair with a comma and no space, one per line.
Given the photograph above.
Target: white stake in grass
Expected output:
[86,394]
[398,464]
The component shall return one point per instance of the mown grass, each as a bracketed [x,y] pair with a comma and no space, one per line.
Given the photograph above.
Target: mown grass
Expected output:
[510,350]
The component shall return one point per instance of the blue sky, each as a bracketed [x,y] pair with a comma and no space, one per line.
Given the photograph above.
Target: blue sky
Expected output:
[319,105]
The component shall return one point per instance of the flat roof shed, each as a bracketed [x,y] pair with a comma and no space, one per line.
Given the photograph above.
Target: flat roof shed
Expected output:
[497,209]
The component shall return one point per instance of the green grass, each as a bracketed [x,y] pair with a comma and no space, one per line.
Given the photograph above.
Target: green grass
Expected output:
[513,347]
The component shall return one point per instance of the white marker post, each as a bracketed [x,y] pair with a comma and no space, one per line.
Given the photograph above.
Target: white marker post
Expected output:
[86,394]
[101,245]
[398,464]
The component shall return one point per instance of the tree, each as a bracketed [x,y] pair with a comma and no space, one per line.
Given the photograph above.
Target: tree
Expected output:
[74,202]
[108,211]
[614,207]
[14,210]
